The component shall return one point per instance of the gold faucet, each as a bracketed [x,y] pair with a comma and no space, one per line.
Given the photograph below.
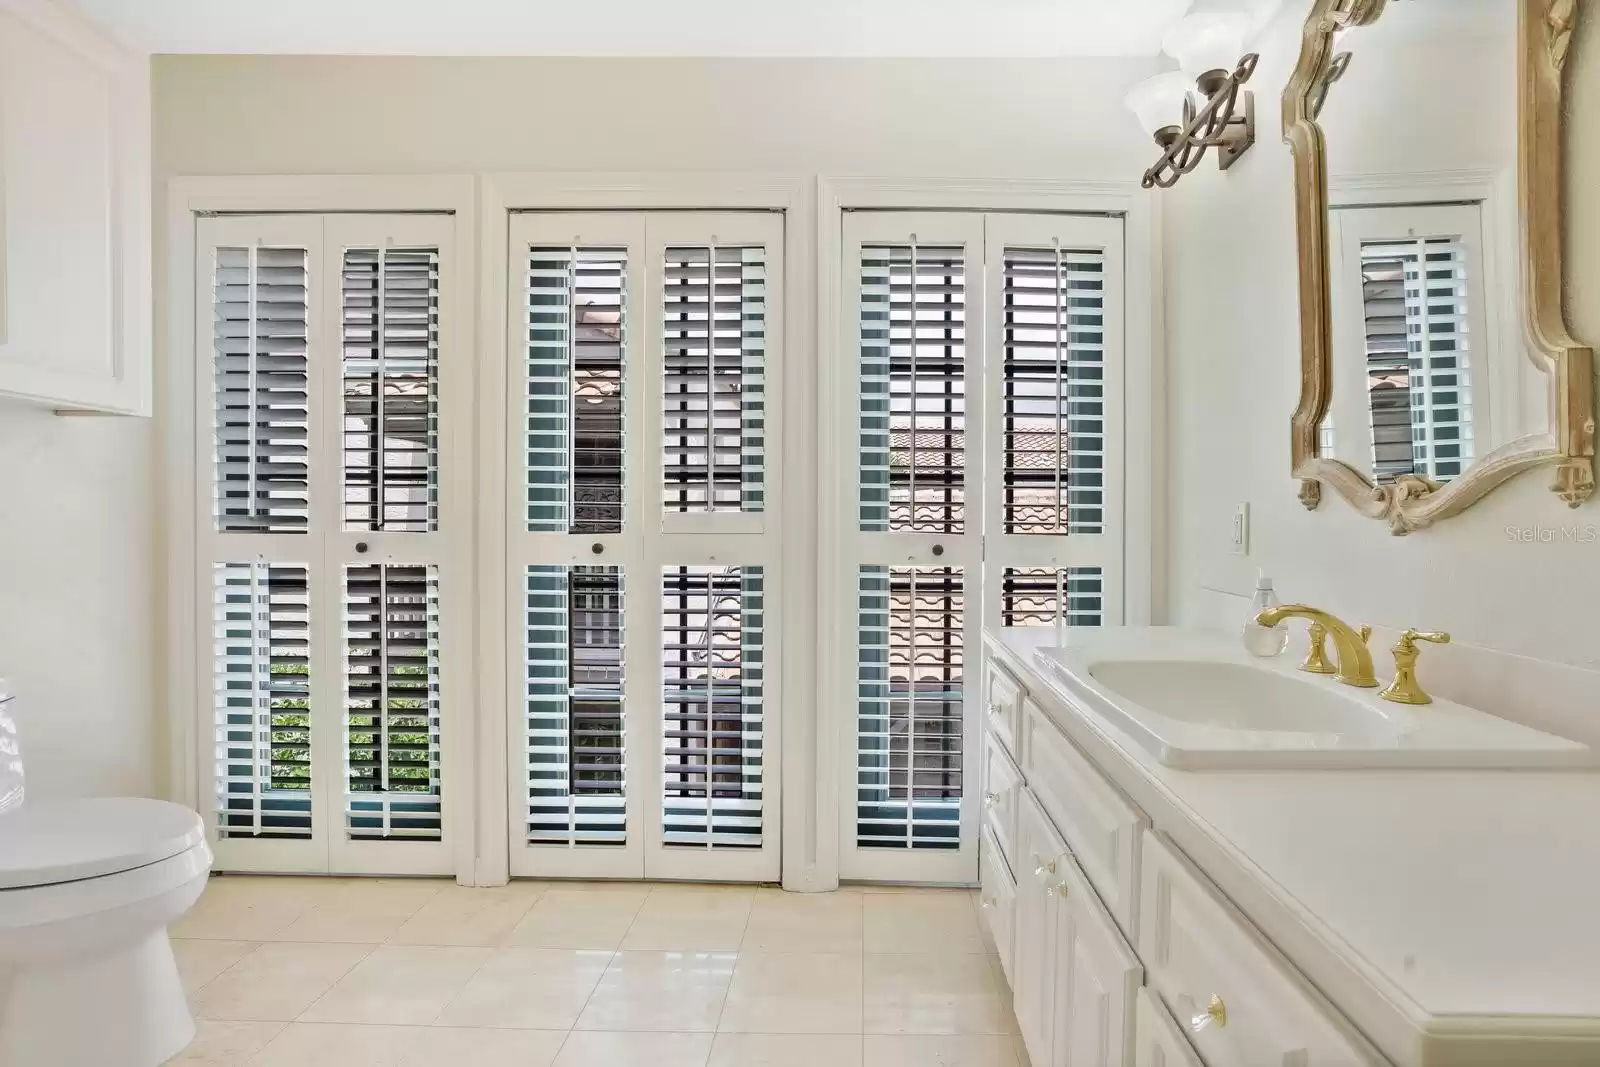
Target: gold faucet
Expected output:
[1404,689]
[1350,645]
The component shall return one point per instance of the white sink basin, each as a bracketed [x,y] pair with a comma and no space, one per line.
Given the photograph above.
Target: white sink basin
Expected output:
[1199,704]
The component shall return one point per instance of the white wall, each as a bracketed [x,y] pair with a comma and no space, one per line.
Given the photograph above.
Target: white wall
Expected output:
[1233,352]
[77,630]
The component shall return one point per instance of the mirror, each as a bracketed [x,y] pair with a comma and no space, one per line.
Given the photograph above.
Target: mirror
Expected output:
[1436,363]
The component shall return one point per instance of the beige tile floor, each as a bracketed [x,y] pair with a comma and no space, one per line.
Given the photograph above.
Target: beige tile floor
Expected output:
[394,973]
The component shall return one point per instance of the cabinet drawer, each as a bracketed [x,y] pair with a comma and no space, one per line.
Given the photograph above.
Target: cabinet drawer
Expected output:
[1003,706]
[1102,827]
[1157,1041]
[1201,952]
[1002,782]
[997,902]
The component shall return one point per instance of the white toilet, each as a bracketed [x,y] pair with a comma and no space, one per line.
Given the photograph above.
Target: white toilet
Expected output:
[87,889]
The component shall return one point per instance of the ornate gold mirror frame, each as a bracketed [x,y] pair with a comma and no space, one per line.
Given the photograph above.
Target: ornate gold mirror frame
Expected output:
[1410,502]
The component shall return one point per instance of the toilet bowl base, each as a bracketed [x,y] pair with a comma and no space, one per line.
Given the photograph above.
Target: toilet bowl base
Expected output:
[119,1008]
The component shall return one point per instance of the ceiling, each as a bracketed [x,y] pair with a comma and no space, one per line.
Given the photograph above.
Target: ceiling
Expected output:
[649,27]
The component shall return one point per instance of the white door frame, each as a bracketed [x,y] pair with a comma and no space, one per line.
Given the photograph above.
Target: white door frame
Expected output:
[817,865]
[503,194]
[186,704]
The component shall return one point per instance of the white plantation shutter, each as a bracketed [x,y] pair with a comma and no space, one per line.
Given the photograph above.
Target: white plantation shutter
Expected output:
[392,701]
[574,725]
[911,742]
[327,555]
[712,687]
[576,316]
[913,388]
[1419,388]
[988,487]
[260,331]
[644,342]
[391,389]
[262,688]
[713,355]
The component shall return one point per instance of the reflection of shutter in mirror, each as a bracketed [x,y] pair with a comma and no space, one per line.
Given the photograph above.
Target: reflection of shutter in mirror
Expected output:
[391,621]
[261,387]
[909,730]
[577,343]
[1419,389]
[262,710]
[913,389]
[390,339]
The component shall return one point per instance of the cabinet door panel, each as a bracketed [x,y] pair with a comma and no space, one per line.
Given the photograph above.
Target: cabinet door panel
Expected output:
[74,213]
[1157,1040]
[1040,853]
[1097,976]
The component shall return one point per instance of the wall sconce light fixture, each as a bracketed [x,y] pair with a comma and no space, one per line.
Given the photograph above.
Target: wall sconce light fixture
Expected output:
[1215,113]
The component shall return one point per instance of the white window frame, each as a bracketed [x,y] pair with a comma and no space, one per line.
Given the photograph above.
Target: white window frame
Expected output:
[830,757]
[185,497]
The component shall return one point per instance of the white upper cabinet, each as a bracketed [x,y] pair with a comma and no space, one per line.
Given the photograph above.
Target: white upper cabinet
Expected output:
[74,214]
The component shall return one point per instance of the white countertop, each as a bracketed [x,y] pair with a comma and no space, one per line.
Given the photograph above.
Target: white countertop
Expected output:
[1462,892]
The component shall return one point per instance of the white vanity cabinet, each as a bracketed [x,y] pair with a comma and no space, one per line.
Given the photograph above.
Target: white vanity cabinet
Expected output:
[1074,877]
[74,213]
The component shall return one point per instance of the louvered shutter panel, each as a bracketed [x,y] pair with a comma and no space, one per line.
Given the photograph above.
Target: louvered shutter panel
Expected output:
[577,320]
[713,366]
[1054,374]
[574,659]
[911,688]
[712,689]
[1414,298]
[392,702]
[391,392]
[262,389]
[913,389]
[261,627]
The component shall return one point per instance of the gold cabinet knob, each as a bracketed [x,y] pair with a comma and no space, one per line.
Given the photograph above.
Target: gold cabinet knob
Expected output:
[986,904]
[1043,866]
[994,708]
[1060,890]
[1216,1014]
[990,798]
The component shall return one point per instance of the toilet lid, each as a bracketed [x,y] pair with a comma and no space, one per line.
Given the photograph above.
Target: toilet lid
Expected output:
[48,842]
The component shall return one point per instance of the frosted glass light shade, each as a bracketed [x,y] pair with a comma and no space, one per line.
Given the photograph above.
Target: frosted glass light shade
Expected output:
[1209,40]
[1158,101]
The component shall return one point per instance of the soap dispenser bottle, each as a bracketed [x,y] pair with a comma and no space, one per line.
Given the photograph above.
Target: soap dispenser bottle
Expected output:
[1261,640]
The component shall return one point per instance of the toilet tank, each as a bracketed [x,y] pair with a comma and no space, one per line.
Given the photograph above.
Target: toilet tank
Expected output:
[10,753]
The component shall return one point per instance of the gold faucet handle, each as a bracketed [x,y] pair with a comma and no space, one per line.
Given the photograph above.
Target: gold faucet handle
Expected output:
[1404,689]
[1409,638]
[1317,650]
[1365,633]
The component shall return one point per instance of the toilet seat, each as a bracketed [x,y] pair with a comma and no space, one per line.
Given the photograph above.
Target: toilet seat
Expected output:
[45,843]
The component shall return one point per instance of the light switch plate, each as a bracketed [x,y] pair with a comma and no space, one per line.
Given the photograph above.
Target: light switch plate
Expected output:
[1241,530]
